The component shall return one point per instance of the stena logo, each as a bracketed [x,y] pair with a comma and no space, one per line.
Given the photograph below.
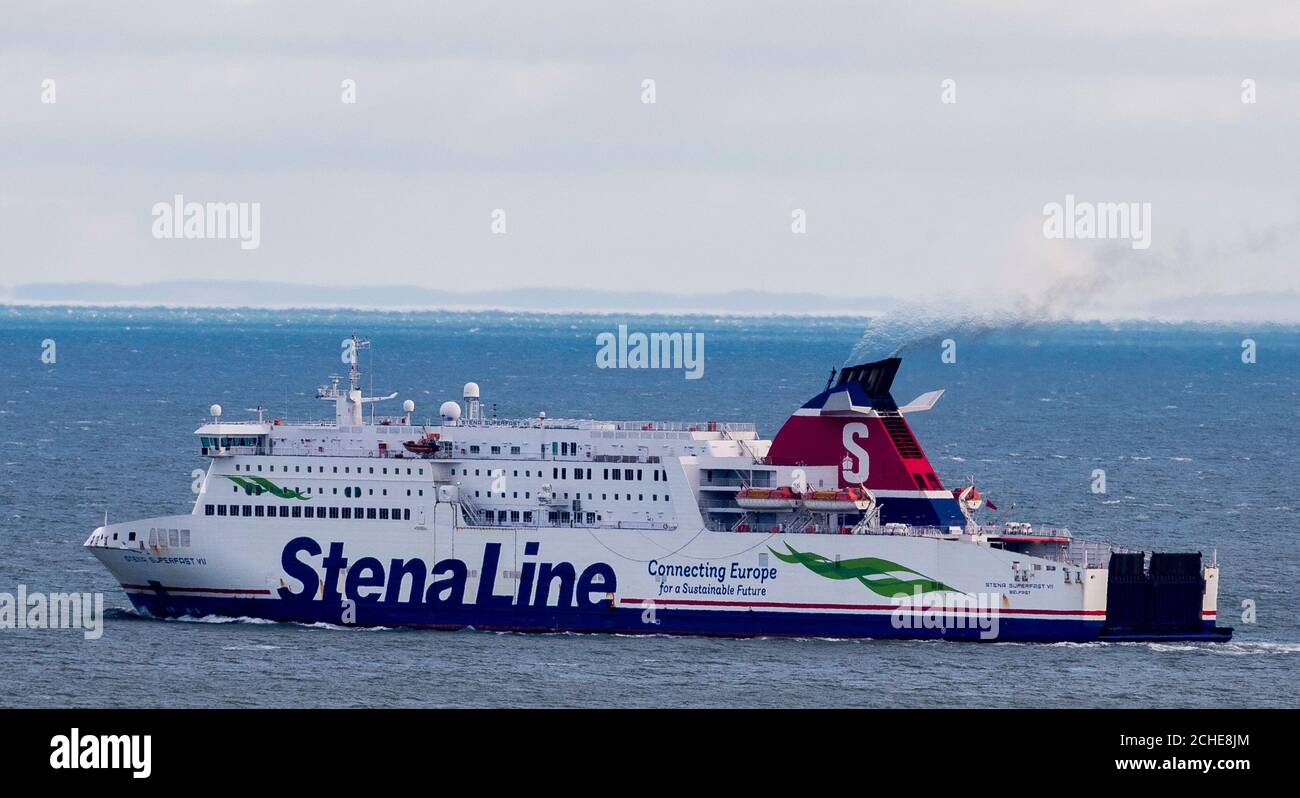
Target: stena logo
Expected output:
[856,463]
[100,751]
[367,580]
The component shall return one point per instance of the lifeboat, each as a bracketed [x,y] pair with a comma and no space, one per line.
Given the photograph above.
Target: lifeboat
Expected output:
[767,498]
[970,498]
[848,500]
[428,444]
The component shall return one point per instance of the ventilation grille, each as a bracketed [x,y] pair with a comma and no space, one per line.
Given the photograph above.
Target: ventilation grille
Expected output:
[902,437]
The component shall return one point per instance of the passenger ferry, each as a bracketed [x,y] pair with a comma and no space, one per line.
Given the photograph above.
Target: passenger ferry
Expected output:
[838,526]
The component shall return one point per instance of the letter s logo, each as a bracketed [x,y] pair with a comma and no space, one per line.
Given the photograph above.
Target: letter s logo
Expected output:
[857,463]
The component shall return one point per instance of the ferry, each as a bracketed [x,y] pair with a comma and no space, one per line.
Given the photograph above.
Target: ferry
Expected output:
[838,526]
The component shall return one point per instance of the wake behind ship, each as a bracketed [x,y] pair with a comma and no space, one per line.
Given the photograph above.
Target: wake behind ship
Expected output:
[836,527]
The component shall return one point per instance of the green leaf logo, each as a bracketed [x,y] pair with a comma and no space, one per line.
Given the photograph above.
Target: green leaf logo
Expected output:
[882,577]
[257,484]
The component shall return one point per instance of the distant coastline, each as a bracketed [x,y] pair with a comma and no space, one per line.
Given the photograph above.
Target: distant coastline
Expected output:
[1256,307]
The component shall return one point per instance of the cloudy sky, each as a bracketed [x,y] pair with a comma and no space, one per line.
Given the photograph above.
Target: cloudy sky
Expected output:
[760,109]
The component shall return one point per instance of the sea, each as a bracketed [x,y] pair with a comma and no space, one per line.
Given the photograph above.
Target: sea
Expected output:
[1194,429]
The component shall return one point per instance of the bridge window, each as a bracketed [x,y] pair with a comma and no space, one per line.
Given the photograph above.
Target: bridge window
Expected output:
[208,509]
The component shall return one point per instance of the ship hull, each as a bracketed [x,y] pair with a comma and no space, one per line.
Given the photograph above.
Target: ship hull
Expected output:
[622,581]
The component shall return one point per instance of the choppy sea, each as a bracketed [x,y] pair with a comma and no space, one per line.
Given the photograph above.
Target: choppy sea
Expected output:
[1201,451]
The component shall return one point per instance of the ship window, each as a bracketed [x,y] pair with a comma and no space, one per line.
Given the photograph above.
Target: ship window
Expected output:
[638,473]
[591,518]
[347,512]
[336,469]
[528,516]
[334,512]
[385,491]
[603,497]
[259,466]
[397,514]
[473,450]
[153,536]
[627,473]
[618,474]
[496,450]
[248,510]
[654,497]
[385,470]
[284,512]
[383,513]
[221,509]
[564,473]
[208,509]
[347,492]
[406,515]
[297,512]
[920,481]
[173,537]
[309,511]
[372,469]
[514,450]
[370,513]
[528,494]
[260,511]
[606,474]
[130,536]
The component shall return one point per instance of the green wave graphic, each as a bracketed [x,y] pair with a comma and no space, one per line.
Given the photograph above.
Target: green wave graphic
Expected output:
[863,567]
[255,483]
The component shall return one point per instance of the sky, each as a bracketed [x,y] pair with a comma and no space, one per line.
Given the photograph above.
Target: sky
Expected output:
[761,109]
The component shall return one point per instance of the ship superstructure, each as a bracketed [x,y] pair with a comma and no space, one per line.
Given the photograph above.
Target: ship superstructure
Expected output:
[837,526]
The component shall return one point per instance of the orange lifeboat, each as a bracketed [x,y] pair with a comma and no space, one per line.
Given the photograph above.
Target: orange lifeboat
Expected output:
[848,500]
[427,444]
[783,498]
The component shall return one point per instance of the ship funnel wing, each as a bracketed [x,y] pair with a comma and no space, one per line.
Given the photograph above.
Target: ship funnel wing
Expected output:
[923,402]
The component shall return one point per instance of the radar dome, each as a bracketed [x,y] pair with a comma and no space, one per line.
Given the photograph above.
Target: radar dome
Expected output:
[408,406]
[215,411]
[471,390]
[450,411]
